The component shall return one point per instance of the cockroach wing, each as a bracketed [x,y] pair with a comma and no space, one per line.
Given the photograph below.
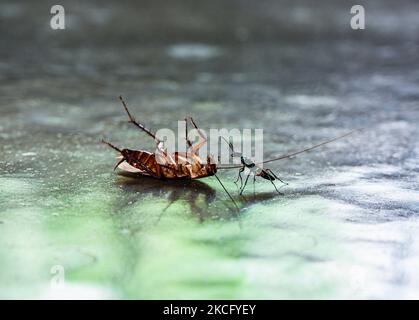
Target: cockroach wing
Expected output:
[125,166]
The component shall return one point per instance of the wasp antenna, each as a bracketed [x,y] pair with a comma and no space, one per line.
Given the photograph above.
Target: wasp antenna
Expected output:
[235,204]
[287,156]
[111,145]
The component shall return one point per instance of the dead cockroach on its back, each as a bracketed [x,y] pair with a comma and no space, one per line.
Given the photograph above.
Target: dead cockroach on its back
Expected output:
[163,165]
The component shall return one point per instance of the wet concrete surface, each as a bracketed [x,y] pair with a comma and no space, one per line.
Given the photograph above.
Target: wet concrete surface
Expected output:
[347,226]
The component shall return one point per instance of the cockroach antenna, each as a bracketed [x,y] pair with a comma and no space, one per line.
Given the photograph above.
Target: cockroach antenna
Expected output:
[112,146]
[116,149]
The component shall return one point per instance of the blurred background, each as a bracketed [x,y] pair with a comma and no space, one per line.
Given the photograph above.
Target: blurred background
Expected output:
[347,226]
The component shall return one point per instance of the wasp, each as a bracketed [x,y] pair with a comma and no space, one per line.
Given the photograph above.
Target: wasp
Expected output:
[253,169]
[163,165]
[256,170]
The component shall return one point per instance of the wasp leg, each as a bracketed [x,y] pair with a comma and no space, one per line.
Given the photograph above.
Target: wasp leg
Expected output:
[245,183]
[240,177]
[254,181]
[276,177]
[280,193]
[137,124]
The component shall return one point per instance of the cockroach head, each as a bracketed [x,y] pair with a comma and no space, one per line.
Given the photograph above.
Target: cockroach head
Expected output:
[125,153]
[211,164]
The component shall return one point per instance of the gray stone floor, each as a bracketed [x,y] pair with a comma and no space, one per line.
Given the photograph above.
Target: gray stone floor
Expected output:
[348,224]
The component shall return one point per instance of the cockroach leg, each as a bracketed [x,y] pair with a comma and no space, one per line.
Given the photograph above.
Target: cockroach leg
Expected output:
[148,170]
[137,124]
[199,130]
[202,141]
[186,134]
[195,148]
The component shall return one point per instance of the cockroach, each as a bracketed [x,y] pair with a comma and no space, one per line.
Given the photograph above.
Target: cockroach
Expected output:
[268,174]
[162,165]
